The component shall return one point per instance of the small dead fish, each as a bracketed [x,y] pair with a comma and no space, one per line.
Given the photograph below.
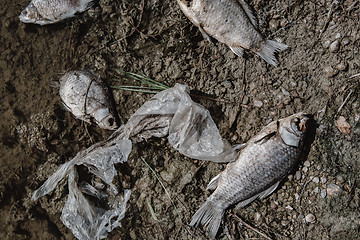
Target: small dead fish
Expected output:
[51,11]
[86,96]
[262,163]
[233,23]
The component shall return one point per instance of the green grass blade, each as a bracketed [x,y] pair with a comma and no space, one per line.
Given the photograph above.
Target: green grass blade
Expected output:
[143,79]
[152,211]
[162,185]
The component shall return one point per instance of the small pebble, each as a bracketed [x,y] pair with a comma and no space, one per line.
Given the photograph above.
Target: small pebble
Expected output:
[289,207]
[316,180]
[316,190]
[257,216]
[333,190]
[341,66]
[338,35]
[258,102]
[307,164]
[345,41]
[326,44]
[330,71]
[339,179]
[357,117]
[273,24]
[305,169]
[323,180]
[234,138]
[334,46]
[298,175]
[310,218]
[283,23]
[323,193]
[297,196]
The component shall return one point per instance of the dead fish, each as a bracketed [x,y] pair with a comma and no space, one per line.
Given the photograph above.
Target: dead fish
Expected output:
[86,96]
[233,23]
[261,164]
[51,11]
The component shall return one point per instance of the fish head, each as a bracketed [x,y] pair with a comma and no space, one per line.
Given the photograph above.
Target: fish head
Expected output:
[293,129]
[105,119]
[31,15]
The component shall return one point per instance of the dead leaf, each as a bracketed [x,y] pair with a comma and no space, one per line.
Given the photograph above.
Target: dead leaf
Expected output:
[343,125]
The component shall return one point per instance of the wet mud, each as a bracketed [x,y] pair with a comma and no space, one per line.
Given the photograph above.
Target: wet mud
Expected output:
[318,74]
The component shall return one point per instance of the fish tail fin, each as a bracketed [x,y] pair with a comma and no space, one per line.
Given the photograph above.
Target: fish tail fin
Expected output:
[268,50]
[210,216]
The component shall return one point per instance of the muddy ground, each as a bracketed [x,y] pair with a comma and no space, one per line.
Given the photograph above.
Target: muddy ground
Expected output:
[37,134]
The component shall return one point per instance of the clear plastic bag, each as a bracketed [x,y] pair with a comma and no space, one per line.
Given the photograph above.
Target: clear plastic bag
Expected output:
[190,130]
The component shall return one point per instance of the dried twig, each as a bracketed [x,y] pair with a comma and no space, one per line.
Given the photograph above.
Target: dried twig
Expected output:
[250,227]
[356,75]
[346,99]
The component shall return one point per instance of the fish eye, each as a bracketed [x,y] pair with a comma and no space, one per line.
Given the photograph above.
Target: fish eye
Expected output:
[111,122]
[24,12]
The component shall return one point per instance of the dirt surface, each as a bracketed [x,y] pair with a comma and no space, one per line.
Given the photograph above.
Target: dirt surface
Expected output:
[315,76]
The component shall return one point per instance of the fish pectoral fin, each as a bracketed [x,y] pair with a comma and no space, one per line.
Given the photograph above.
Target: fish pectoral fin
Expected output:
[90,4]
[249,13]
[237,50]
[269,191]
[246,202]
[205,35]
[260,195]
[213,183]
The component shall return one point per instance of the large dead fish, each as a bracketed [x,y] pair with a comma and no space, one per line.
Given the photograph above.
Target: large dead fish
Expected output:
[86,96]
[262,163]
[233,23]
[51,11]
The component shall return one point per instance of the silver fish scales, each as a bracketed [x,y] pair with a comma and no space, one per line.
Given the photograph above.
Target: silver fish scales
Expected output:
[51,11]
[233,23]
[86,96]
[262,163]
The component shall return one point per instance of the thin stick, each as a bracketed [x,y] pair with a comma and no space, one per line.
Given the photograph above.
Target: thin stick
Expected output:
[356,75]
[250,227]
[346,99]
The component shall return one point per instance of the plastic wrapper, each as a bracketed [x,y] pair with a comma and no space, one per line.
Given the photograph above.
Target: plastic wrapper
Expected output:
[79,214]
[189,128]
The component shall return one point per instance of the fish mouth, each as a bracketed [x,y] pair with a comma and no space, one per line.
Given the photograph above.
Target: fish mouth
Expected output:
[301,122]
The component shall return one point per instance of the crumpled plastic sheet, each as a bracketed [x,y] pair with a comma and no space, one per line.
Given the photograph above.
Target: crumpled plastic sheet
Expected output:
[190,130]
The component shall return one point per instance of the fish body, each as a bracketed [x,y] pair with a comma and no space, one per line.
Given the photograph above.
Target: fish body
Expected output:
[51,11]
[86,96]
[233,23]
[262,163]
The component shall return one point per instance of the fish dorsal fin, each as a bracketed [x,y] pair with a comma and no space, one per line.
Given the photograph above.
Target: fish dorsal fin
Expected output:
[249,13]
[266,137]
[213,183]
[260,195]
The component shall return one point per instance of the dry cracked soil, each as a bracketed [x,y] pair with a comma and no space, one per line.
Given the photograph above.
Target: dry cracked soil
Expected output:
[318,74]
